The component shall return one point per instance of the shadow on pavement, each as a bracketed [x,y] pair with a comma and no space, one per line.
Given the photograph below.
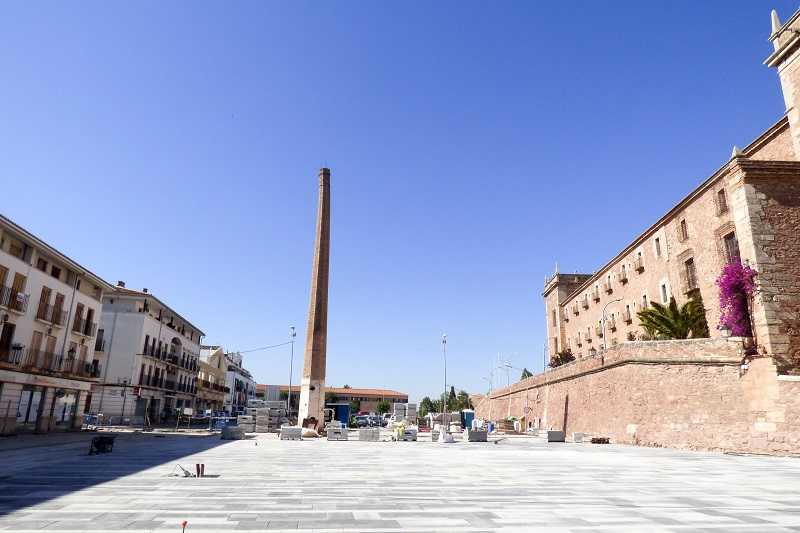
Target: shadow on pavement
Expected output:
[39,474]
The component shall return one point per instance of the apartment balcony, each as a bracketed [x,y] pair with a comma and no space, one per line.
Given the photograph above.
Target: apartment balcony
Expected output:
[611,324]
[623,276]
[638,265]
[688,282]
[41,361]
[12,355]
[81,326]
[596,294]
[578,341]
[585,301]
[588,339]
[52,315]
[575,310]
[565,315]
[626,316]
[13,300]
[169,385]
[607,287]
[598,331]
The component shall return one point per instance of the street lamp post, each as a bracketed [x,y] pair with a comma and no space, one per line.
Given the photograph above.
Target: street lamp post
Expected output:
[292,335]
[445,419]
[605,344]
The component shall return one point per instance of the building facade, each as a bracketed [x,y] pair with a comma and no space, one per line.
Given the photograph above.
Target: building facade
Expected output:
[367,399]
[239,382]
[49,307]
[150,356]
[211,387]
[748,210]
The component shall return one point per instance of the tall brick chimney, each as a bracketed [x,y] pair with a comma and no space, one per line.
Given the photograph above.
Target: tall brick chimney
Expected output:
[786,58]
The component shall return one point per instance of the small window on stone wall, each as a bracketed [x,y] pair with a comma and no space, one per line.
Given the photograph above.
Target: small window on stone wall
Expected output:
[683,230]
[722,202]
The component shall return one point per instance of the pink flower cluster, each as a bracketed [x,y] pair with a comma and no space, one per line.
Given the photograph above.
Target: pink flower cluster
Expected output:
[736,286]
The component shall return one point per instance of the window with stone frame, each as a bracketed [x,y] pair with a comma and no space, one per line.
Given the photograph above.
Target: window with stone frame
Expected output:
[731,247]
[721,202]
[683,230]
[657,243]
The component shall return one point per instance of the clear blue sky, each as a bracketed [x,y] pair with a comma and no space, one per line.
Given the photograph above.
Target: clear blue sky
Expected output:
[175,145]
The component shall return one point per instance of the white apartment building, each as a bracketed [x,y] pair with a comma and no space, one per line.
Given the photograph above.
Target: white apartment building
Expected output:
[49,306]
[150,358]
[240,384]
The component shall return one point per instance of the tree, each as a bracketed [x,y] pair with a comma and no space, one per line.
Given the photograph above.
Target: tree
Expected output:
[346,386]
[383,407]
[525,374]
[355,406]
[665,322]
[561,358]
[452,399]
[426,406]
[463,400]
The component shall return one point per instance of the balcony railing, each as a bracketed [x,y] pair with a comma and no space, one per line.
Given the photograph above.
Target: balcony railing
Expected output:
[585,301]
[13,300]
[54,315]
[169,385]
[623,276]
[598,331]
[607,287]
[688,282]
[82,326]
[596,294]
[626,316]
[12,355]
[565,314]
[578,341]
[575,310]
[42,361]
[611,324]
[638,264]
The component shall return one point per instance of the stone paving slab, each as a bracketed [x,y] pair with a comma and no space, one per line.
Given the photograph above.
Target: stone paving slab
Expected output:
[523,484]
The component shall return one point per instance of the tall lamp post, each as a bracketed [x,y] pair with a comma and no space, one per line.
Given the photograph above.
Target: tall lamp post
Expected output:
[445,419]
[605,344]
[292,335]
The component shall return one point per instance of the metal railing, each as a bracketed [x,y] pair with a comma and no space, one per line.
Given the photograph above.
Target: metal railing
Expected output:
[638,264]
[688,281]
[54,315]
[626,316]
[623,276]
[83,327]
[607,287]
[13,300]
[585,301]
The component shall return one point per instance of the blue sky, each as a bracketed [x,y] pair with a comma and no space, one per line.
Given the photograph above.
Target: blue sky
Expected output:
[472,145]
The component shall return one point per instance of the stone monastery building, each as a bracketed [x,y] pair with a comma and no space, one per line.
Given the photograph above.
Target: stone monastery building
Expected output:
[749,208]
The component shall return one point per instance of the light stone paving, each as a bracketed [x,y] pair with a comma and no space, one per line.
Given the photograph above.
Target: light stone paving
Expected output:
[518,484]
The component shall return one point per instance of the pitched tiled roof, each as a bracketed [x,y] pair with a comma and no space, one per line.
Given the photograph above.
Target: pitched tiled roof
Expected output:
[343,391]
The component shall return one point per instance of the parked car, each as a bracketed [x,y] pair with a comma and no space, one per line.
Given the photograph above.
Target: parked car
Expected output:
[362,421]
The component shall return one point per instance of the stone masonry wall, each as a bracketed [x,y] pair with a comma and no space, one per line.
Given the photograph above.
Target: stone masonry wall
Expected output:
[681,394]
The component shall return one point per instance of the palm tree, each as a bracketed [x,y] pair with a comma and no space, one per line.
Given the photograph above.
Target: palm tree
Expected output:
[671,322]
[525,374]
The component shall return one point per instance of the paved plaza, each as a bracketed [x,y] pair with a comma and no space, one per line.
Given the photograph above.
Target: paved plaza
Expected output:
[518,484]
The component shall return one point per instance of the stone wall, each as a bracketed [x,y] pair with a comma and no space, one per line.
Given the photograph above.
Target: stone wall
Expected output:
[683,394]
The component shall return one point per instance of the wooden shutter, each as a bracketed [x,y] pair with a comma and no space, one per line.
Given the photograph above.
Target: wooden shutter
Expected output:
[76,325]
[36,348]
[19,283]
[3,274]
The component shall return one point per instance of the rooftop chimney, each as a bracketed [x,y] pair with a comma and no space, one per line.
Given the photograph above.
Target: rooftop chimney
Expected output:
[144,290]
[121,284]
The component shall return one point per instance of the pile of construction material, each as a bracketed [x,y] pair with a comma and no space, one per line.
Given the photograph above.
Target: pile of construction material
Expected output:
[369,434]
[247,423]
[405,412]
[267,415]
[232,433]
[291,433]
[335,431]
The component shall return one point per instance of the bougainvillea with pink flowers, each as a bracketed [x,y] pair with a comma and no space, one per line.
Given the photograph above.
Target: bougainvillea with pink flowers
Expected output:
[736,286]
